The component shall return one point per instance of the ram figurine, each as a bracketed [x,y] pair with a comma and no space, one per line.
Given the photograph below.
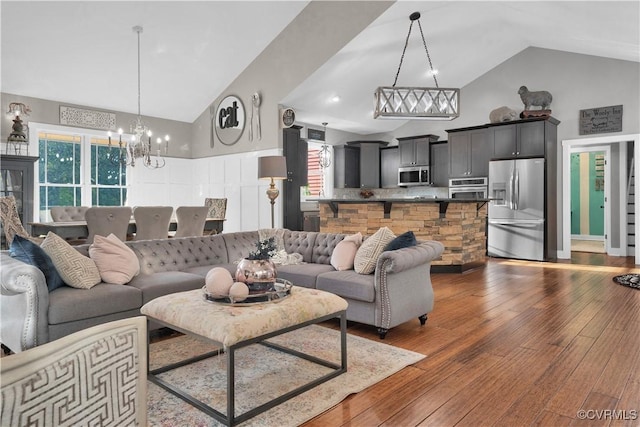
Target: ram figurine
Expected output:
[540,98]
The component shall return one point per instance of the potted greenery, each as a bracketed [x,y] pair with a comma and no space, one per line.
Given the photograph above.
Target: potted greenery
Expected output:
[257,270]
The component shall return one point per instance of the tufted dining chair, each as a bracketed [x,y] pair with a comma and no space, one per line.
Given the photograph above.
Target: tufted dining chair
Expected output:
[152,222]
[68,213]
[97,376]
[191,220]
[104,220]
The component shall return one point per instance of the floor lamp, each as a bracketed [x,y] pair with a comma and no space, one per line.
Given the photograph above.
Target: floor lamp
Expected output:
[272,167]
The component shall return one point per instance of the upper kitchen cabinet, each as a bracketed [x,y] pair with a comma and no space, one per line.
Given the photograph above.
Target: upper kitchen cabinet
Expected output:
[414,150]
[470,150]
[346,166]
[527,138]
[369,165]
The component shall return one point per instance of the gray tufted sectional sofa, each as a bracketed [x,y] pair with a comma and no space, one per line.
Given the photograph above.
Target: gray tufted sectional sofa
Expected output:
[399,290]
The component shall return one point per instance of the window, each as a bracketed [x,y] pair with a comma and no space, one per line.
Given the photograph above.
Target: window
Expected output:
[314,172]
[77,170]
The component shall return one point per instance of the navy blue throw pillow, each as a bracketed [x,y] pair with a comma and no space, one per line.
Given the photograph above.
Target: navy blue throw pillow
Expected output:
[402,241]
[30,253]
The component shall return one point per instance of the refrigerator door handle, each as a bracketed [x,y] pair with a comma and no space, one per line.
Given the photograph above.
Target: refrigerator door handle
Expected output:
[510,191]
[516,189]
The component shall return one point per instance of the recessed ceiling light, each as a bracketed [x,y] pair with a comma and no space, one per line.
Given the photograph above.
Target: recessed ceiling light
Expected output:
[335,98]
[432,72]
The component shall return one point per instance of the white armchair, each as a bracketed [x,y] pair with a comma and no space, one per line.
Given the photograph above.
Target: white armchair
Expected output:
[97,376]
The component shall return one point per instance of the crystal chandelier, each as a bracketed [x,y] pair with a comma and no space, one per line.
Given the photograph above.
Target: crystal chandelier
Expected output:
[416,102]
[140,145]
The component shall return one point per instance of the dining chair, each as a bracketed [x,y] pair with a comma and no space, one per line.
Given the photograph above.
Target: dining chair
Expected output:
[104,220]
[68,213]
[152,222]
[191,220]
[11,222]
[217,209]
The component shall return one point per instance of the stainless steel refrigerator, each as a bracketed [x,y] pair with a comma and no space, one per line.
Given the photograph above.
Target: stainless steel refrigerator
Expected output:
[516,226]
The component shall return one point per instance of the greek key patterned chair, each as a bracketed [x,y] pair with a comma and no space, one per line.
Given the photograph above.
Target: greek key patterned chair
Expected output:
[97,376]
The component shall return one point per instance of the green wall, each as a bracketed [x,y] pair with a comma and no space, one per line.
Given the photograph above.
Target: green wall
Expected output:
[587,215]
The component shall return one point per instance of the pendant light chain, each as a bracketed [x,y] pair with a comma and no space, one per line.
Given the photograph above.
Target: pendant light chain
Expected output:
[138,30]
[424,43]
[428,56]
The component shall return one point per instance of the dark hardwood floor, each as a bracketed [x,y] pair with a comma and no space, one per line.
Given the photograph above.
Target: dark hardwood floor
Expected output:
[515,343]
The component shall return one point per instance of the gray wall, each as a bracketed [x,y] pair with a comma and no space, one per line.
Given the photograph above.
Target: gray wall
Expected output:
[317,33]
[45,111]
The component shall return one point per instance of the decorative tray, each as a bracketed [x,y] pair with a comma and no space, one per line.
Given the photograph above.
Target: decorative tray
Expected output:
[278,291]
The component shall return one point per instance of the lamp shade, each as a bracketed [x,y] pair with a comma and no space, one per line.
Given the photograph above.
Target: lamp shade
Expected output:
[272,167]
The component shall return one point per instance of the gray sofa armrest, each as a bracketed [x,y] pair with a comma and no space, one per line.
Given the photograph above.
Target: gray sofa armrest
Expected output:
[406,258]
[403,284]
[24,305]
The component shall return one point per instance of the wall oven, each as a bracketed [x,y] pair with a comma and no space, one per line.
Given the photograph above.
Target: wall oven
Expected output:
[468,188]
[413,175]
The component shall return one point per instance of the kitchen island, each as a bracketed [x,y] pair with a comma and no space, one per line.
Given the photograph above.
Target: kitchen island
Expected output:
[458,224]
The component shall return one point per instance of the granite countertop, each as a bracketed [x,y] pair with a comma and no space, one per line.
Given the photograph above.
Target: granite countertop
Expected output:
[399,200]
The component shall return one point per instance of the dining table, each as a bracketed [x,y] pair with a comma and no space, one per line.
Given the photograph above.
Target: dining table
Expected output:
[74,229]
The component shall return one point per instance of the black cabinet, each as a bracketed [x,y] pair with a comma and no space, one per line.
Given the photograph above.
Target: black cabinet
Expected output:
[440,164]
[295,150]
[469,153]
[415,150]
[346,166]
[17,176]
[519,140]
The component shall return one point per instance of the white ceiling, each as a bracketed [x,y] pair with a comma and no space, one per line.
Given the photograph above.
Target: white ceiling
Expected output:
[85,52]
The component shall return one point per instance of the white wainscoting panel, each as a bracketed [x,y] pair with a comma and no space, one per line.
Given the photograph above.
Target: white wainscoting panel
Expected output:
[187,182]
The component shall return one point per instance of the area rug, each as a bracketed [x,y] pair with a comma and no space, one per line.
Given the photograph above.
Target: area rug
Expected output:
[262,373]
[630,280]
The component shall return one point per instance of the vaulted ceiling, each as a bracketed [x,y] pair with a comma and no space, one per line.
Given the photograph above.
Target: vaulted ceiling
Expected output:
[85,52]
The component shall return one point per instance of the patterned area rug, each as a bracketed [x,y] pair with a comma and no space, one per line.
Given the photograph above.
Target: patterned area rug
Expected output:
[630,280]
[262,373]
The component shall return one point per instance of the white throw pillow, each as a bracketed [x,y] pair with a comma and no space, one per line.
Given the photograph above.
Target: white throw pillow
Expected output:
[116,262]
[77,270]
[370,250]
[344,253]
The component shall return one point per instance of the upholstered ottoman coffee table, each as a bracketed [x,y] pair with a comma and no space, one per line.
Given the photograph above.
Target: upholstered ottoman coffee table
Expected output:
[235,327]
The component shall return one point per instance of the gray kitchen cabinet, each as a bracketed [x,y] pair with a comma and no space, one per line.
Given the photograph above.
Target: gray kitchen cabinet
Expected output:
[415,150]
[389,163]
[369,165]
[439,166]
[346,166]
[469,153]
[519,140]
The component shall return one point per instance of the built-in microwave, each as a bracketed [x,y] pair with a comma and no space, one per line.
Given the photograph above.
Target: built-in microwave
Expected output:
[413,175]
[468,188]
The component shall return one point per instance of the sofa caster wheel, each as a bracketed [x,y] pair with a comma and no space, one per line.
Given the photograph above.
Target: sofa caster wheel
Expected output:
[423,319]
[382,332]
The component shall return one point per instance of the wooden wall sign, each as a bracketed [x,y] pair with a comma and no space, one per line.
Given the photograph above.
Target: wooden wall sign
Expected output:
[601,120]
